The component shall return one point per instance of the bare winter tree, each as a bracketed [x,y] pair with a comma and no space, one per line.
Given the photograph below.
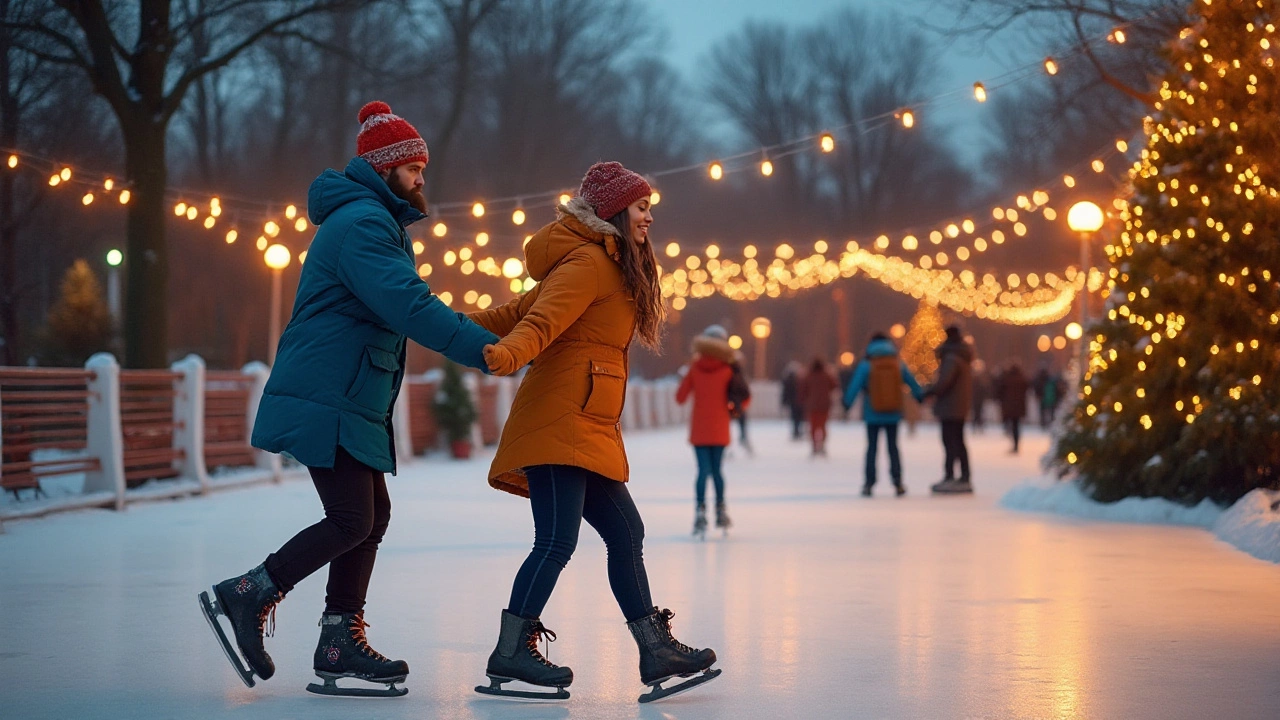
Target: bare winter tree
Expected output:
[135,58]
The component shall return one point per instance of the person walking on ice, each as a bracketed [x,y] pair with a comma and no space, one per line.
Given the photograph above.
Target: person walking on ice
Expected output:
[881,374]
[329,399]
[561,447]
[714,386]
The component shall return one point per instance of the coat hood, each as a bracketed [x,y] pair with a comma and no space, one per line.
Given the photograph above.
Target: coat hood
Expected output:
[881,348]
[958,347]
[712,349]
[576,225]
[359,181]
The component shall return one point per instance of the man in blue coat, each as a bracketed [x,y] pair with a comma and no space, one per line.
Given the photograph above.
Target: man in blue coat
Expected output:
[881,374]
[329,400]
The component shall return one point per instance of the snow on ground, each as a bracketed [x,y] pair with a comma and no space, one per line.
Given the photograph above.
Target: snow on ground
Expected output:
[820,603]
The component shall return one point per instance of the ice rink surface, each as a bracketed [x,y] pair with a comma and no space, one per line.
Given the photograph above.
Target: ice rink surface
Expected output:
[819,603]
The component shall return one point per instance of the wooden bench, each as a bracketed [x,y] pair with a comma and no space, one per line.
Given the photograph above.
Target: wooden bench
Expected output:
[42,409]
[147,424]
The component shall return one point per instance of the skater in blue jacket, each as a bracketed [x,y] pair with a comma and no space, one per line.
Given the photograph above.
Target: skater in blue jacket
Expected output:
[329,400]
[882,374]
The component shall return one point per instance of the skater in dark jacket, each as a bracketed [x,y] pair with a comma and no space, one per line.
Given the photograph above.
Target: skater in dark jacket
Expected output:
[953,393]
[328,402]
[792,398]
[882,375]
[561,447]
[1013,388]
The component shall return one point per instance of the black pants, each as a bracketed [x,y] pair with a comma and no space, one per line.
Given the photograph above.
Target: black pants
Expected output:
[562,496]
[953,444]
[1015,427]
[891,441]
[357,510]
[797,422]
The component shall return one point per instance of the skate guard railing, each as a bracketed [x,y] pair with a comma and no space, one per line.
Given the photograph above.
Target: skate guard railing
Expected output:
[105,437]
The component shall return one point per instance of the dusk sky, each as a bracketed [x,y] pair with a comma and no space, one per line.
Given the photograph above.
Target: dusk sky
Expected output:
[693,27]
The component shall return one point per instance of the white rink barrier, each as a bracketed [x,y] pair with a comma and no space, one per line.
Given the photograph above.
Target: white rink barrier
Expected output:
[143,446]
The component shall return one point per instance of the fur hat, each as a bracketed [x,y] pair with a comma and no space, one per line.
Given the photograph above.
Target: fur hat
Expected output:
[388,140]
[716,331]
[610,188]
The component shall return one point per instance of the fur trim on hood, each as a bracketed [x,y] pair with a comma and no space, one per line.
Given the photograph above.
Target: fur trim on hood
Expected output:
[579,209]
[712,347]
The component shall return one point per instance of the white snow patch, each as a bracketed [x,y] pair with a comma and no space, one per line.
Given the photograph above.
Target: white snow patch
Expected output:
[1250,524]
[1067,498]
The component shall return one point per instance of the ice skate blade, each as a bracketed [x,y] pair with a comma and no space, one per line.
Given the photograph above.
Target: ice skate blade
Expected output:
[333,689]
[211,610]
[661,693]
[495,689]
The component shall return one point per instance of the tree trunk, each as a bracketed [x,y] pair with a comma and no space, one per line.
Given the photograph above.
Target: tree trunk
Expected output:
[146,332]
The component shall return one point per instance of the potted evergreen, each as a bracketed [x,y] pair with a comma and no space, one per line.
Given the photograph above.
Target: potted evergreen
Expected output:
[455,412]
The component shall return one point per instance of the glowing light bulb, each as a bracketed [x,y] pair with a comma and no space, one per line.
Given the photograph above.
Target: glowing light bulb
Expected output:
[908,119]
[715,170]
[477,210]
[124,196]
[1051,66]
[180,209]
[87,199]
[65,174]
[827,142]
[766,168]
[980,92]
[655,198]
[518,217]
[300,224]
[439,229]
[291,212]
[565,198]
[13,161]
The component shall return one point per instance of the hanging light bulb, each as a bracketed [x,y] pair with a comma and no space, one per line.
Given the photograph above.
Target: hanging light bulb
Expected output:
[477,210]
[108,184]
[518,216]
[827,142]
[1051,66]
[124,196]
[980,92]
[291,212]
[482,239]
[180,209]
[231,236]
[655,198]
[209,222]
[908,119]
[766,167]
[715,170]
[300,224]
[65,174]
[13,161]
[439,229]
[565,198]
[87,199]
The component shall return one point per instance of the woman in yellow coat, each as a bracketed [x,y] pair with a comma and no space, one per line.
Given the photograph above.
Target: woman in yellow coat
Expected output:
[598,287]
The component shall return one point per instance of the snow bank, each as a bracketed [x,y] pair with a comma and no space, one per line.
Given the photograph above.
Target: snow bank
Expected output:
[1250,524]
[1067,498]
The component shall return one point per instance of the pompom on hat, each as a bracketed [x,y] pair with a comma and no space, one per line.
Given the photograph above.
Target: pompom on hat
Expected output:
[609,188]
[387,140]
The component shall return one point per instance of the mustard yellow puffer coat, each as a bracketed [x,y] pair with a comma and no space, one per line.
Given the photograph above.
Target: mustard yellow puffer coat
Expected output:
[575,326]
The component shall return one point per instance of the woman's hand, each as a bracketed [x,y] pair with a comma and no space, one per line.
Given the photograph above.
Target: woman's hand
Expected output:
[499,360]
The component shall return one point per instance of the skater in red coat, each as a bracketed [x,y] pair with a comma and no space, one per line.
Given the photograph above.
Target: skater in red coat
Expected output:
[816,391]
[716,389]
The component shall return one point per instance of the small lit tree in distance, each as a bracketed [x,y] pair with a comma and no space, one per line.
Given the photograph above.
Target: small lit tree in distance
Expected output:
[924,334]
[79,323]
[1181,397]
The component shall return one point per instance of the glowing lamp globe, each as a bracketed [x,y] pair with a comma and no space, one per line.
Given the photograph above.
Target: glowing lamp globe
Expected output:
[277,257]
[1073,331]
[1085,216]
[761,328]
[114,257]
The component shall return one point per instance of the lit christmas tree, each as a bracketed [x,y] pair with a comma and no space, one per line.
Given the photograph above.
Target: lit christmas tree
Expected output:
[924,334]
[1181,398]
[79,324]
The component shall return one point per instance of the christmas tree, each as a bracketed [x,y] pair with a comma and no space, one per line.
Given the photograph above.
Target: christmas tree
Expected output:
[924,334]
[1181,397]
[79,324]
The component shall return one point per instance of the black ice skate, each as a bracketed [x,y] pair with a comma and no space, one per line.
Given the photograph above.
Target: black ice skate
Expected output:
[248,602]
[344,652]
[662,657]
[722,518]
[700,522]
[516,658]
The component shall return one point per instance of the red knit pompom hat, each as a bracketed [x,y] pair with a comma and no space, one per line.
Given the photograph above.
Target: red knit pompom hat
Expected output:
[610,188]
[387,140]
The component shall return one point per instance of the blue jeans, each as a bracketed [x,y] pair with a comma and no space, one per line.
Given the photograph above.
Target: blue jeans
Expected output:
[891,440]
[562,496]
[709,459]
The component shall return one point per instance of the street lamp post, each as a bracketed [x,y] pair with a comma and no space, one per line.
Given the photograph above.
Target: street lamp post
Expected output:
[277,258]
[1084,218]
[760,330]
[114,258]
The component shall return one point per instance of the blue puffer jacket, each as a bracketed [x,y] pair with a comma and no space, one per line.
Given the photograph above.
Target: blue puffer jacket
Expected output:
[341,358]
[858,383]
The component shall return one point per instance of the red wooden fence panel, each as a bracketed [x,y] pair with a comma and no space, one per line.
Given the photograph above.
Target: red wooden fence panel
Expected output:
[42,409]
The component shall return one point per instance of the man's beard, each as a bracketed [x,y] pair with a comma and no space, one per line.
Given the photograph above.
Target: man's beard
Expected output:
[411,195]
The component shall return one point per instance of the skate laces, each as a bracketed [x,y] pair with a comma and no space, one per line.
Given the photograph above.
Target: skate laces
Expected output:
[361,640]
[664,620]
[267,615]
[538,630]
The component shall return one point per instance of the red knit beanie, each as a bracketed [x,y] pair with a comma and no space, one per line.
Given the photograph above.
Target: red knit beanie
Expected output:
[610,188]
[387,140]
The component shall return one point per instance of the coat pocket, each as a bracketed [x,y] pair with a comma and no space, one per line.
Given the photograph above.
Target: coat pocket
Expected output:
[372,387]
[608,389]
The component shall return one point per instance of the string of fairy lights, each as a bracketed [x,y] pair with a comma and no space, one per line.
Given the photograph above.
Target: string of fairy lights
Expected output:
[927,272]
[1243,175]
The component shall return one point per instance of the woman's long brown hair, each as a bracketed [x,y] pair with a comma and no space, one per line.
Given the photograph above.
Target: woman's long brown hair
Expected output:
[640,271]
